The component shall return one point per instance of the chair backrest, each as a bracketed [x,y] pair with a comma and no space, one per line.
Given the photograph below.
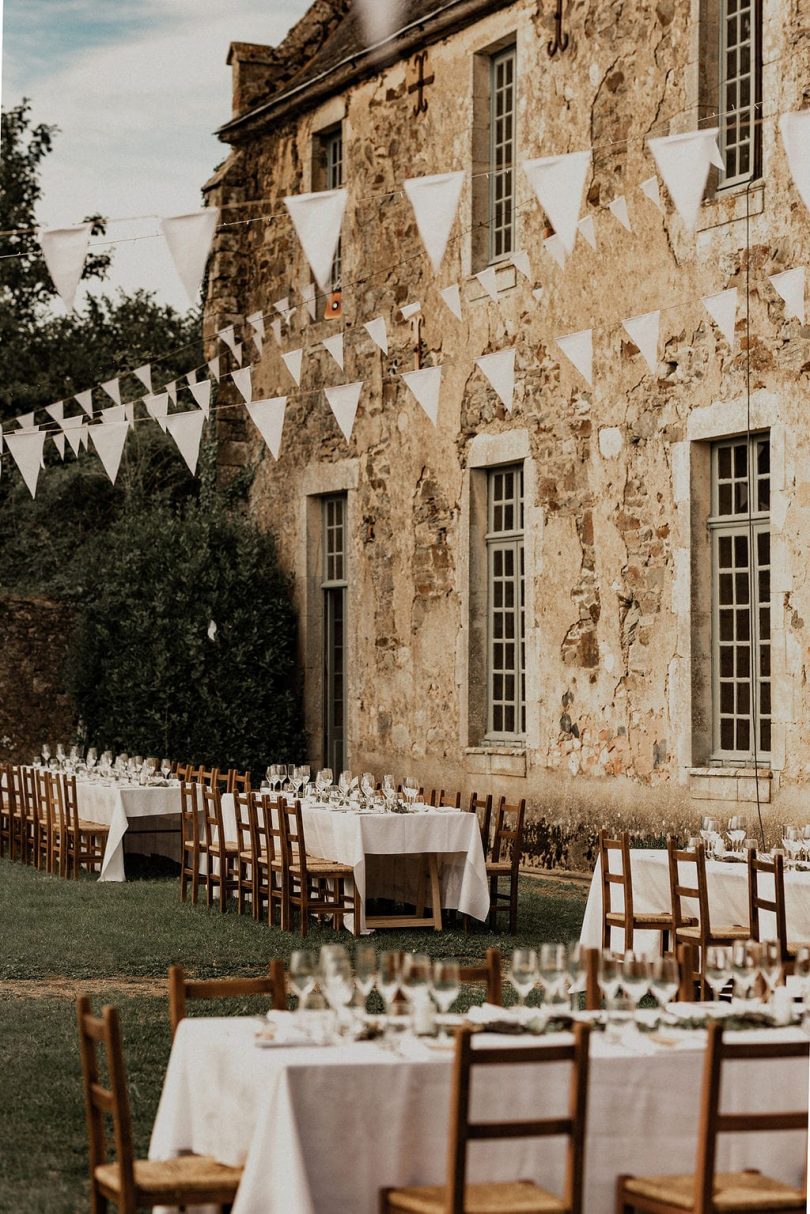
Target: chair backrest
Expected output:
[183,771]
[181,989]
[696,860]
[8,798]
[571,1126]
[713,1122]
[440,798]
[482,806]
[490,973]
[293,845]
[208,777]
[773,868]
[70,799]
[238,781]
[508,835]
[245,836]
[47,800]
[211,813]
[617,848]
[261,824]
[110,1101]
[34,785]
[190,811]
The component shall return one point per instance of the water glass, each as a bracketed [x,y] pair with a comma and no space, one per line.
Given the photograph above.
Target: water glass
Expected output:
[301,975]
[664,980]
[552,970]
[719,968]
[635,980]
[523,973]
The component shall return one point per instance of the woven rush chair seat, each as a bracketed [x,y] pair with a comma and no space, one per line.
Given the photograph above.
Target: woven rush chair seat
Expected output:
[92,828]
[734,1192]
[726,933]
[510,1197]
[174,1182]
[642,922]
[324,868]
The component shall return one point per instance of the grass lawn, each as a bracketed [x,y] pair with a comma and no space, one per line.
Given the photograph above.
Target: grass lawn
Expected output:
[62,937]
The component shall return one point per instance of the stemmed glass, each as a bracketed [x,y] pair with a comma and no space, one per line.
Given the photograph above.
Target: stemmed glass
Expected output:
[792,843]
[664,980]
[60,754]
[46,753]
[410,788]
[523,973]
[445,987]
[388,977]
[744,967]
[718,968]
[736,832]
[635,977]
[338,984]
[367,786]
[365,968]
[609,978]
[302,971]
[92,758]
[304,772]
[552,971]
[806,841]
[389,791]
[416,978]
[165,768]
[323,781]
[345,785]
[770,966]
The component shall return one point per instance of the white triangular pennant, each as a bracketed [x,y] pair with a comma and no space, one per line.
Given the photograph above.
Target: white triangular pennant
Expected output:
[228,336]
[409,310]
[722,308]
[27,452]
[789,285]
[158,408]
[618,208]
[57,411]
[578,349]
[268,418]
[237,353]
[795,130]
[191,377]
[644,332]
[118,413]
[202,395]
[452,297]
[144,374]
[588,229]
[684,162]
[335,347]
[499,368]
[64,250]
[73,428]
[317,219]
[26,421]
[59,443]
[488,279]
[283,307]
[129,410]
[435,204]
[652,191]
[426,387]
[83,436]
[256,322]
[558,182]
[213,368]
[113,390]
[189,239]
[85,399]
[378,332]
[109,441]
[522,264]
[171,390]
[293,361]
[308,296]
[242,380]
[538,293]
[343,402]
[186,430]
[554,246]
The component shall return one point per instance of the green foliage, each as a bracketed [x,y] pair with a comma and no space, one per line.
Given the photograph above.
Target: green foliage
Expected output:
[146,676]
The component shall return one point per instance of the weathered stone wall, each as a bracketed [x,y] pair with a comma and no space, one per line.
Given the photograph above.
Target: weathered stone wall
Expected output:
[616,557]
[34,706]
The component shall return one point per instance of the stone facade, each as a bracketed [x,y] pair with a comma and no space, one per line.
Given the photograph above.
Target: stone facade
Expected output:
[618,564]
[34,706]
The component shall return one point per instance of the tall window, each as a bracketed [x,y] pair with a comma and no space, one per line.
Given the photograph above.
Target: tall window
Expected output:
[333,587]
[332,147]
[506,696]
[739,91]
[503,103]
[741,592]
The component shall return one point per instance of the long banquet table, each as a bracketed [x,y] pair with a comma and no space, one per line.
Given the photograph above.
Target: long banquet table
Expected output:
[321,1130]
[116,805]
[728,898]
[398,843]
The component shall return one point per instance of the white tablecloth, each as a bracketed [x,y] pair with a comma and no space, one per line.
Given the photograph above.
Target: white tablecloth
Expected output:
[351,838]
[728,899]
[320,1131]
[115,805]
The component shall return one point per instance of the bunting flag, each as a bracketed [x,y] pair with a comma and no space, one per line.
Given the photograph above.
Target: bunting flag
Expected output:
[171,390]
[308,296]
[378,333]
[538,293]
[158,408]
[644,331]
[789,285]
[522,264]
[26,421]
[73,428]
[426,387]
[129,410]
[409,310]
[618,208]
[722,308]
[214,368]
[59,443]
[435,205]
[57,411]
[452,297]
[343,402]
[27,450]
[118,413]
[191,377]
[84,437]
[268,418]
[186,430]
[317,219]
[293,360]
[113,390]
[256,322]
[189,239]
[558,182]
[587,228]
[651,190]
[282,306]
[684,162]
[65,250]
[499,368]
[578,349]
[242,380]
[202,395]
[275,329]
[335,347]
[109,441]
[228,336]
[85,399]
[556,248]
[237,353]
[795,130]
[488,279]
[144,374]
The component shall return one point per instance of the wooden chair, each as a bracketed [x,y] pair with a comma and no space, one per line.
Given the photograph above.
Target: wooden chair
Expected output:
[271,811]
[181,989]
[708,1191]
[86,840]
[593,993]
[315,887]
[218,850]
[134,1184]
[490,973]
[238,781]
[439,799]
[773,868]
[456,1196]
[208,777]
[25,815]
[625,918]
[31,790]
[7,807]
[267,885]
[684,928]
[192,841]
[507,845]
[482,806]
[182,771]
[247,857]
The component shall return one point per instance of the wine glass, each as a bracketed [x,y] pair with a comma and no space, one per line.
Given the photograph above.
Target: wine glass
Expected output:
[304,772]
[791,842]
[552,971]
[388,977]
[416,977]
[635,977]
[609,978]
[770,966]
[92,758]
[523,973]
[664,980]
[46,753]
[281,776]
[736,831]
[365,968]
[301,974]
[744,967]
[165,768]
[445,986]
[718,968]
[367,786]
[339,984]
[60,754]
[410,787]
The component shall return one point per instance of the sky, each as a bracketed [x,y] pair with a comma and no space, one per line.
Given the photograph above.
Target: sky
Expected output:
[137,88]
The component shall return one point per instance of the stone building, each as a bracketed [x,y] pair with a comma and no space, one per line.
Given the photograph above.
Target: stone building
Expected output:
[555,602]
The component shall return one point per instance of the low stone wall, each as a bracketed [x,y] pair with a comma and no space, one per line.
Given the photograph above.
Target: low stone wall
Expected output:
[34,705]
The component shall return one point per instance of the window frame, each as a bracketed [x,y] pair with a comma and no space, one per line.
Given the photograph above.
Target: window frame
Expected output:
[498,174]
[511,541]
[333,586]
[333,177]
[730,118]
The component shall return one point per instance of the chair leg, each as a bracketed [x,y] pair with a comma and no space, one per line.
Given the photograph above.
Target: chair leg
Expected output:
[622,1206]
